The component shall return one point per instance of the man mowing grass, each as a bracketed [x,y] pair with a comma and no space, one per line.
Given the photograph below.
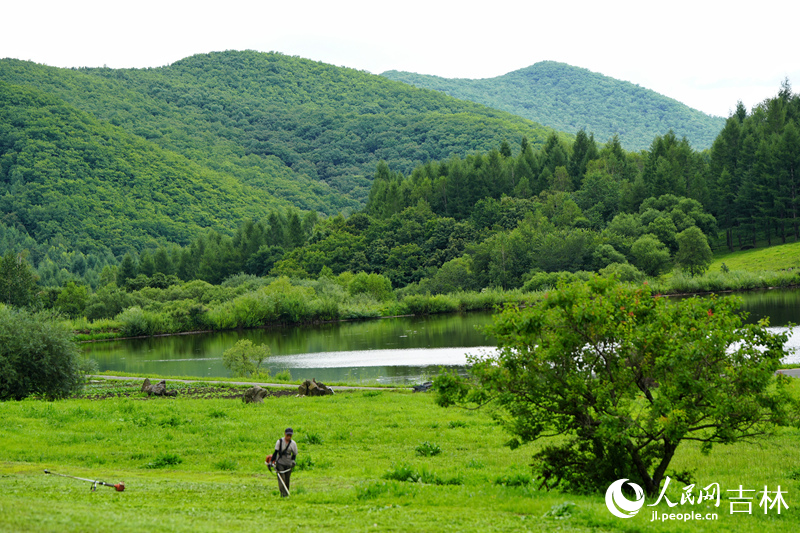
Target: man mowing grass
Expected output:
[284,460]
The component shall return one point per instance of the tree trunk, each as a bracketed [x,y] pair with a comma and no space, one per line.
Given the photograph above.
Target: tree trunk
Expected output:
[768,229]
[649,488]
[658,475]
[794,206]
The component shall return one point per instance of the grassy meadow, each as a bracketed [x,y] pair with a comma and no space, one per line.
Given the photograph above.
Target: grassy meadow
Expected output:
[778,257]
[368,461]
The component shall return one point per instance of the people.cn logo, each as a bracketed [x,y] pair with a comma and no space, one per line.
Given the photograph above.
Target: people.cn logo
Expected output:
[619,505]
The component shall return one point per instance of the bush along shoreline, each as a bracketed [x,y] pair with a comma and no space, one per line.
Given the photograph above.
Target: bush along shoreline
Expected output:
[246,302]
[250,302]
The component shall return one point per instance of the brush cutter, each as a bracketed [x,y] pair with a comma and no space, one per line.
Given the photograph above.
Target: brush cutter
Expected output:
[119,486]
[278,473]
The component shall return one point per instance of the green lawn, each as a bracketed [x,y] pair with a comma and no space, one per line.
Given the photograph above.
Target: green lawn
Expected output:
[778,257]
[198,465]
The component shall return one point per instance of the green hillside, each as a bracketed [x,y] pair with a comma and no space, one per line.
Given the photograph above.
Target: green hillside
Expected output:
[569,98]
[780,257]
[67,177]
[307,131]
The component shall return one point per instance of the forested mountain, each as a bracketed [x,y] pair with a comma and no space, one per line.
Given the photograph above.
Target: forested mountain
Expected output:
[306,131]
[67,177]
[173,167]
[569,98]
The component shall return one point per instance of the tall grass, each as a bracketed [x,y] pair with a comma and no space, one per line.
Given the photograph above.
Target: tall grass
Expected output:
[734,280]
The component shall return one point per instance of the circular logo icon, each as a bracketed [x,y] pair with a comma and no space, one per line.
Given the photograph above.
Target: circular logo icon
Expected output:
[619,505]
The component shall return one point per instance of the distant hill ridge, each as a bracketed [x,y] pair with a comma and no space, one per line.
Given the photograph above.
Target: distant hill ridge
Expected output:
[277,121]
[110,159]
[569,98]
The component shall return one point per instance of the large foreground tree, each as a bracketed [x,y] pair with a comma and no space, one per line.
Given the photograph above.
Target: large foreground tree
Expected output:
[622,378]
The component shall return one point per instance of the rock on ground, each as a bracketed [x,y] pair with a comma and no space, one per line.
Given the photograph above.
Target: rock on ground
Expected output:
[159,389]
[314,388]
[254,394]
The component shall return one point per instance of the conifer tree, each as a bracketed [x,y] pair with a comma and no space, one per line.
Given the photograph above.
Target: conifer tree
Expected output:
[127,270]
[17,280]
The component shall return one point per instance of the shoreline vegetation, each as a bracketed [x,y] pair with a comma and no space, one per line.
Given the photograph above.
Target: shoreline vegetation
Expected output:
[248,302]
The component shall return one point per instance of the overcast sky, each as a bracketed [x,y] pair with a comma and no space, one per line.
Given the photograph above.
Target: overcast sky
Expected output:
[708,55]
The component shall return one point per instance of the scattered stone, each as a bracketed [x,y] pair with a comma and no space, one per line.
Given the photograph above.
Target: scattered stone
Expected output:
[159,389]
[255,394]
[314,388]
[425,387]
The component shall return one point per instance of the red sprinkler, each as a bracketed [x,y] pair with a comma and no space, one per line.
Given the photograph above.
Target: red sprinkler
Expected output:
[119,487]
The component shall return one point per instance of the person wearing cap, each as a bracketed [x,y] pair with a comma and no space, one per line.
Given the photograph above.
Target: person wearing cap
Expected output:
[284,459]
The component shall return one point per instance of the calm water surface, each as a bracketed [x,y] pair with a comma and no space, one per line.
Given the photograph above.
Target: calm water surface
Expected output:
[403,349]
[389,350]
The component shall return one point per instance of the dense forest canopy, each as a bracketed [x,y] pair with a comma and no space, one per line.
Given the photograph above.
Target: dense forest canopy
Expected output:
[67,177]
[570,98]
[305,131]
[101,212]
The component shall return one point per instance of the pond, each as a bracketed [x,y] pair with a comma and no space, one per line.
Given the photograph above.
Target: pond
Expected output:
[389,350]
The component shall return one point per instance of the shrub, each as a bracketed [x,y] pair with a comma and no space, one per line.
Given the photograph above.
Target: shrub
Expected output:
[376,285]
[37,356]
[540,281]
[325,308]
[133,322]
[425,304]
[361,306]
[244,359]
[625,272]
[283,376]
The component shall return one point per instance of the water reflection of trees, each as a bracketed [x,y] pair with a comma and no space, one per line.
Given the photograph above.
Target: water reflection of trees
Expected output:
[198,354]
[369,374]
[400,332]
[144,355]
[782,306]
